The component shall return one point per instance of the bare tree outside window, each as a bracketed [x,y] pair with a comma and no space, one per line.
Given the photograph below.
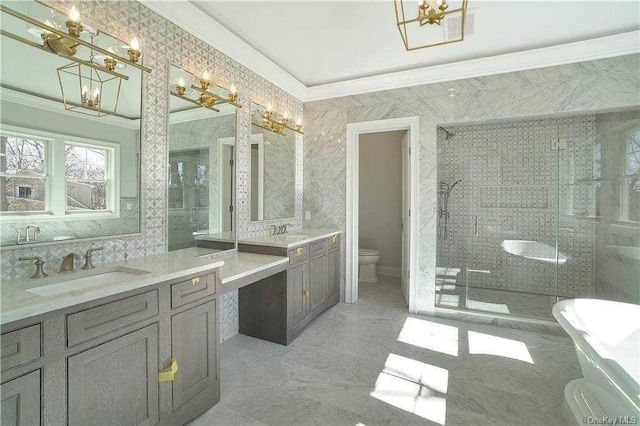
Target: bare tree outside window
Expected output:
[86,173]
[22,171]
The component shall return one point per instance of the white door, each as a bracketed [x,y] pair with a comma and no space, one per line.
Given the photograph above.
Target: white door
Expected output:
[406,223]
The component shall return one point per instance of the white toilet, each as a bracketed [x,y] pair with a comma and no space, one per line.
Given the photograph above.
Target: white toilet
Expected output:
[368,261]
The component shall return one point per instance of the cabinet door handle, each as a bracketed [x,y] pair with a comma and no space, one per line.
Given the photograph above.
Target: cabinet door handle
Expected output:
[168,374]
[334,238]
[195,280]
[299,250]
[305,293]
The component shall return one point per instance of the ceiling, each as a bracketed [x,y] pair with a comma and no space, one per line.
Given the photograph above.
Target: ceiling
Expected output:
[322,42]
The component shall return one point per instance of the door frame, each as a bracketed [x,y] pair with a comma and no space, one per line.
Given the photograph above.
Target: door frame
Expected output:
[222,208]
[354,130]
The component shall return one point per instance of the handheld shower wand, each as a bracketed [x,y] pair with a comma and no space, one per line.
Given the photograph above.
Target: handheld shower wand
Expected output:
[444,192]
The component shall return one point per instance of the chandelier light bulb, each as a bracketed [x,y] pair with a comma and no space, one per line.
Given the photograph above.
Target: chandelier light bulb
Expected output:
[135,44]
[84,90]
[74,15]
[205,75]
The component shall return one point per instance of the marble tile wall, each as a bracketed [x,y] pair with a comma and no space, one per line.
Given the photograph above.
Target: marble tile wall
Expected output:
[510,182]
[163,43]
[587,86]
[279,176]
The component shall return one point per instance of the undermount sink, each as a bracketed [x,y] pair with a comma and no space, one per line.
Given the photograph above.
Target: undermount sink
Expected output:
[86,280]
[534,250]
[297,237]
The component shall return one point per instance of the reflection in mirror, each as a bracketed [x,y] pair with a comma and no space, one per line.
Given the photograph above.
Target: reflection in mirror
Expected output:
[201,169]
[273,163]
[69,135]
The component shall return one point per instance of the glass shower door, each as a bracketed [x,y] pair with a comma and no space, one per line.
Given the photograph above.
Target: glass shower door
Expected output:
[188,197]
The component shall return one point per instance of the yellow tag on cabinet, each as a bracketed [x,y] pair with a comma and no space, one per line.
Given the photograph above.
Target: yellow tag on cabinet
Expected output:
[195,280]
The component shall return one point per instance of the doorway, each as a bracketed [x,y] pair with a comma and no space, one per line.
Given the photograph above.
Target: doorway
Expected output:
[409,224]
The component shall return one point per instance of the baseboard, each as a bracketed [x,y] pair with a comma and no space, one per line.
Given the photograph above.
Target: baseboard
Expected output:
[389,271]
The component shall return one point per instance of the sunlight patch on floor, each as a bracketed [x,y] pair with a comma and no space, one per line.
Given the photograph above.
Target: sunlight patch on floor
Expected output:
[486,344]
[499,308]
[430,335]
[411,397]
[433,377]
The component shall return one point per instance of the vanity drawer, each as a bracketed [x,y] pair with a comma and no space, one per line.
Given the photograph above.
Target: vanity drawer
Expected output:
[334,242]
[193,289]
[318,248]
[298,254]
[94,322]
[20,346]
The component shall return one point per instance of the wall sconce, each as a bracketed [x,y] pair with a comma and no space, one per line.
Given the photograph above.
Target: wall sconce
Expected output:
[209,93]
[276,123]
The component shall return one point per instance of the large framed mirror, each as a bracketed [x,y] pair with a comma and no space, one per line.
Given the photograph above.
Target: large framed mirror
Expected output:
[273,165]
[202,166]
[69,132]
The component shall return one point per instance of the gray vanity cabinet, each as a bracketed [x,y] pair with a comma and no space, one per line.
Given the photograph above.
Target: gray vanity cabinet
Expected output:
[333,275]
[312,286]
[116,383]
[105,362]
[297,307]
[317,282]
[193,344]
[21,400]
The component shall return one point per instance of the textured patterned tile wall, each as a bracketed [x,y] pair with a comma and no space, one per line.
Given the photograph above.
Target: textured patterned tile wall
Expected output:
[588,86]
[510,181]
[163,43]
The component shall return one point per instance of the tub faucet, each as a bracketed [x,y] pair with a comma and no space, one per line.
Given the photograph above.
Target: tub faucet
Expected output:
[28,236]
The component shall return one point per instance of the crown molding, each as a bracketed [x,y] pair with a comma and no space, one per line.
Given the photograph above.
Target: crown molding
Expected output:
[191,19]
[588,50]
[32,101]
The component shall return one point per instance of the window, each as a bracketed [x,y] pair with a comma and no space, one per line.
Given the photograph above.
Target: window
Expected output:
[630,190]
[23,173]
[53,176]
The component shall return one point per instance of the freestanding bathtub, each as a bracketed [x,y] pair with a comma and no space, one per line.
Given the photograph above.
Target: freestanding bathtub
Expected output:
[607,339]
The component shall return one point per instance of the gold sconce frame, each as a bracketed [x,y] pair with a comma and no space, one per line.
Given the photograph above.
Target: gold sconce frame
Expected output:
[206,98]
[66,44]
[428,14]
[276,123]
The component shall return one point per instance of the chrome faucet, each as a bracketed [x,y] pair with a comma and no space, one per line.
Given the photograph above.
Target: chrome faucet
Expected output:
[67,262]
[27,237]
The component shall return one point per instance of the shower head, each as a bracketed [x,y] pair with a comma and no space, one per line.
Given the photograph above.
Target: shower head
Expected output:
[447,134]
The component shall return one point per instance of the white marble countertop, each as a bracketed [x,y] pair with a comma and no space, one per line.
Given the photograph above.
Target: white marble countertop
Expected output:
[240,264]
[18,303]
[226,237]
[292,239]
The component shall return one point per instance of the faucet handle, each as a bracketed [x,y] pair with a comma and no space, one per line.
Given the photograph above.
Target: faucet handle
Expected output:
[39,263]
[87,258]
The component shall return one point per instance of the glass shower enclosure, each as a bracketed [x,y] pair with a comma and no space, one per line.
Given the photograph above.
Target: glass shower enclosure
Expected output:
[539,209]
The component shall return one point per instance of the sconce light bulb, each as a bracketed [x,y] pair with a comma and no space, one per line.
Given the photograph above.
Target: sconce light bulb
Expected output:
[135,44]
[285,115]
[233,89]
[269,107]
[181,82]
[205,75]
[299,122]
[74,15]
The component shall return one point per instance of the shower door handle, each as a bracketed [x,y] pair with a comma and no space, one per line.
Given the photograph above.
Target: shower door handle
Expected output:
[475,226]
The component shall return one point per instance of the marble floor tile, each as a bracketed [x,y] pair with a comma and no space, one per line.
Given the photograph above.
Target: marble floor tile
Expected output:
[372,363]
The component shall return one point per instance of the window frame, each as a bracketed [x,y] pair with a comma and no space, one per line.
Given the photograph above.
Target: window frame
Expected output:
[56,179]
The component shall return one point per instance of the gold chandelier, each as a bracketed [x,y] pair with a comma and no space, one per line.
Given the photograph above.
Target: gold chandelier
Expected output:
[435,22]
